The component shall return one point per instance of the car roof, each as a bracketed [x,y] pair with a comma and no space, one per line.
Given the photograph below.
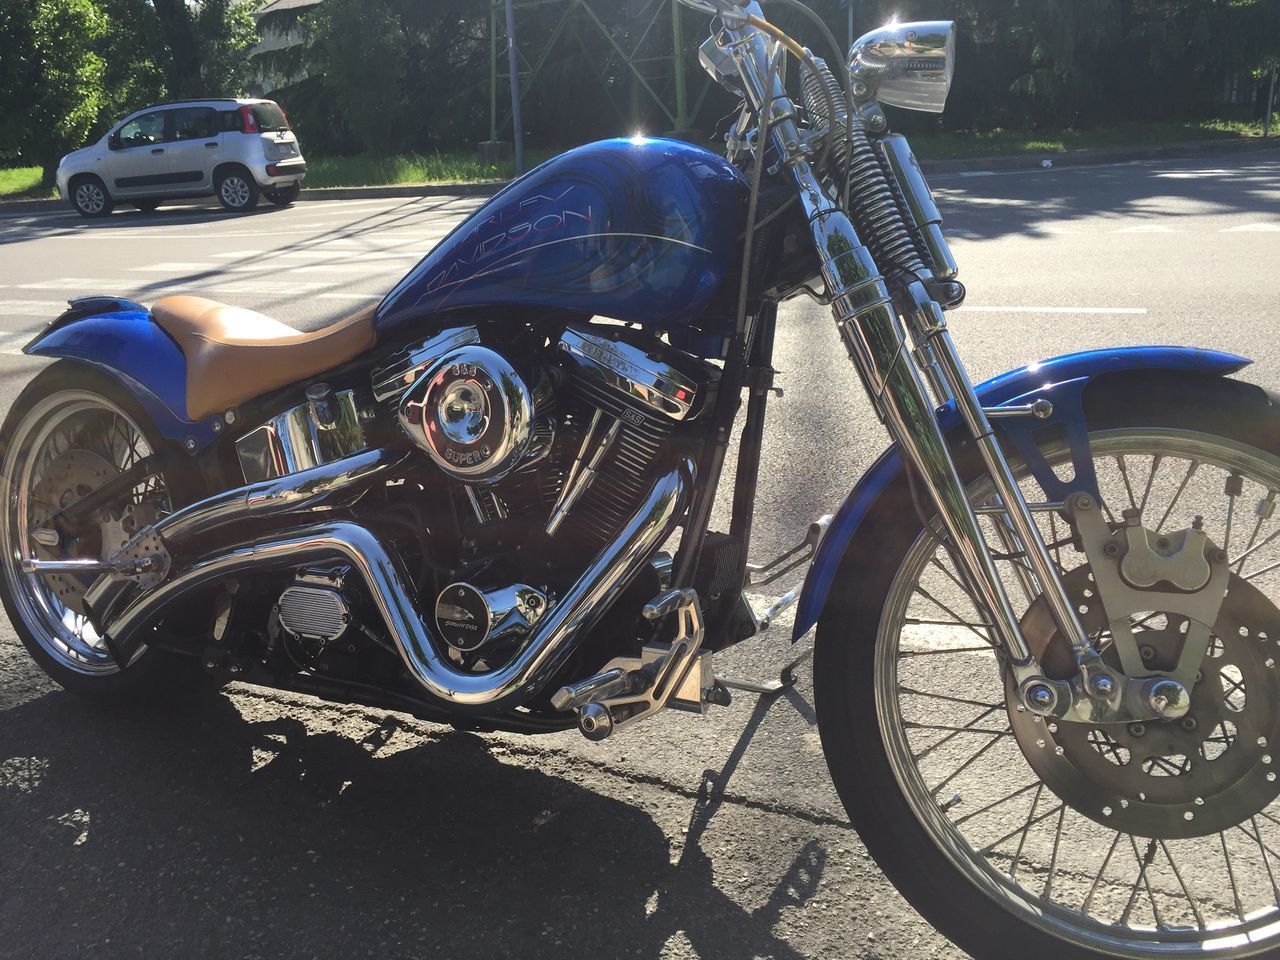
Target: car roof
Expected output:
[204,102]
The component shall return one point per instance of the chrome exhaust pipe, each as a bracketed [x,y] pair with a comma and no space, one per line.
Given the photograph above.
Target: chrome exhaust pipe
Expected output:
[321,487]
[397,600]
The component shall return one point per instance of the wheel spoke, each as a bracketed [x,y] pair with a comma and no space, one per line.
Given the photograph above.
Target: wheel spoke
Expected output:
[1195,465]
[1231,874]
[1191,901]
[1084,907]
[1022,841]
[1143,862]
[1151,478]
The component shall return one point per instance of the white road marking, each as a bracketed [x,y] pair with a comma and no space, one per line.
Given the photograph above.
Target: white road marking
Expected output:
[977,173]
[1193,174]
[1124,310]
[1147,228]
[12,344]
[322,250]
[32,308]
[1253,228]
[271,287]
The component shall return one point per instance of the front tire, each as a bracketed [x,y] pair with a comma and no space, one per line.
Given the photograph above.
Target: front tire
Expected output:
[237,190]
[90,198]
[68,433]
[912,711]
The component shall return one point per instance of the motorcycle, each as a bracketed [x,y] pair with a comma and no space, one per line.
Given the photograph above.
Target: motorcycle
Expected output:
[1045,658]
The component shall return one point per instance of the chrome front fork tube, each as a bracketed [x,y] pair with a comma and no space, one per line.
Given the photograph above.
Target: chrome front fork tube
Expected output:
[873,336]
[931,328]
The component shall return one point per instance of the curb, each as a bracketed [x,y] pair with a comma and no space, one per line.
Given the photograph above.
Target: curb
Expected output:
[485,189]
[1079,158]
[992,164]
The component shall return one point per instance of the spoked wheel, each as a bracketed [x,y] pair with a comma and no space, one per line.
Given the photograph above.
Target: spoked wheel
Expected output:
[68,435]
[1015,833]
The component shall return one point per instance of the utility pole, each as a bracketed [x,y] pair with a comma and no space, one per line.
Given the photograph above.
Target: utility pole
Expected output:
[517,128]
[1271,101]
[677,69]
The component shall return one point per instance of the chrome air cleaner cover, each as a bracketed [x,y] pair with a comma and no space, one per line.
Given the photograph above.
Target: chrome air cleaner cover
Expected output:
[471,412]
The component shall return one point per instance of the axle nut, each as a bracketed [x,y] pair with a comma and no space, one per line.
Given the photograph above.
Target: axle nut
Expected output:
[1103,685]
[1169,699]
[1041,697]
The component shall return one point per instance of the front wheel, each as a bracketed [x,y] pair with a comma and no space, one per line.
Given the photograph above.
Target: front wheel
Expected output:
[90,198]
[1018,836]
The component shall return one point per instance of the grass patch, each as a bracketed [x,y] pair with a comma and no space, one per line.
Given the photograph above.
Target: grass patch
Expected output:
[947,146]
[20,183]
[363,171]
[463,167]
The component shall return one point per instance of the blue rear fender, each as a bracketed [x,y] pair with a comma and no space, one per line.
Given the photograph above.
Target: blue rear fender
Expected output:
[120,338]
[1062,381]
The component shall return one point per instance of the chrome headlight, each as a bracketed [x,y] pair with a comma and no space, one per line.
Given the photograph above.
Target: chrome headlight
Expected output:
[907,65]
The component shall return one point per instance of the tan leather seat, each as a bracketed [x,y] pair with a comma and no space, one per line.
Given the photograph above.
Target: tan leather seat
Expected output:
[235,354]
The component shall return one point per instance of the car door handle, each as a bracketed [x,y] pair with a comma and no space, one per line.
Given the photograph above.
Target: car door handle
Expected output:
[158,150]
[210,146]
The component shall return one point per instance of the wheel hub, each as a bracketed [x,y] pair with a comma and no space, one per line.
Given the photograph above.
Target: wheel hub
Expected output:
[69,477]
[1200,774]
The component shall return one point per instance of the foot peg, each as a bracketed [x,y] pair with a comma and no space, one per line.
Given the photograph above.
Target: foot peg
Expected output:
[630,689]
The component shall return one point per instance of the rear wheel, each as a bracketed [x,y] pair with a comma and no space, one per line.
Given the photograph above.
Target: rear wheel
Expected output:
[1018,836]
[70,432]
[283,196]
[237,190]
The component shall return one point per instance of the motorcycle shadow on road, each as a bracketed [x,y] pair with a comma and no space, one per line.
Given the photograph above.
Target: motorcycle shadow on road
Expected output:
[192,828]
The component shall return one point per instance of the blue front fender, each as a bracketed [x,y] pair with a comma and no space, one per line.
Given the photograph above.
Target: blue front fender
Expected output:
[1062,381]
[126,343]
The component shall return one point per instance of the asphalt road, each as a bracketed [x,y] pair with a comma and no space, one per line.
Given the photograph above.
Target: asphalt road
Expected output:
[251,825]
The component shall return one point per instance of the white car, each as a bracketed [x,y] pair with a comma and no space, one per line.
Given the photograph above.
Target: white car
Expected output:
[236,150]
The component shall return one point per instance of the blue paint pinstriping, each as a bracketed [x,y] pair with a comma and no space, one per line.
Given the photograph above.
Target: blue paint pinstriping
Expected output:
[644,230]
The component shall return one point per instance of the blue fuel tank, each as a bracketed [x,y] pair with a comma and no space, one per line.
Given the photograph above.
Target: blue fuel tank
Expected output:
[644,230]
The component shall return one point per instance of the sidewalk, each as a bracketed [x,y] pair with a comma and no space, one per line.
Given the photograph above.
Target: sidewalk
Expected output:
[1028,161]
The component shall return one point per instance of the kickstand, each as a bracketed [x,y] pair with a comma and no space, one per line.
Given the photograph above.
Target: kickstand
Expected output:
[787,678]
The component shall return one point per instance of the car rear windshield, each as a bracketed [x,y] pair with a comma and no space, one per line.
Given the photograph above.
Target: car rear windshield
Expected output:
[270,117]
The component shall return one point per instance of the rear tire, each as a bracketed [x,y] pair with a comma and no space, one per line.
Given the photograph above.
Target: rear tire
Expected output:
[237,190]
[283,196]
[63,434]
[89,197]
[860,715]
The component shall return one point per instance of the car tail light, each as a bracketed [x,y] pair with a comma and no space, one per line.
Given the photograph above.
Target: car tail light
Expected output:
[248,122]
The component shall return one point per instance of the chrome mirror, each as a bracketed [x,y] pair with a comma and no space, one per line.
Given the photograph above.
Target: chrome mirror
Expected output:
[907,65]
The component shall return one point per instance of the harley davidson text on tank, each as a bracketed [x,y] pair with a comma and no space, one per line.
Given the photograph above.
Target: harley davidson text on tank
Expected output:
[1045,668]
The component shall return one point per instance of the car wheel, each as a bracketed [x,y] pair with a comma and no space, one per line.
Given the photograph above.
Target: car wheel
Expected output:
[146,206]
[90,198]
[283,196]
[237,190]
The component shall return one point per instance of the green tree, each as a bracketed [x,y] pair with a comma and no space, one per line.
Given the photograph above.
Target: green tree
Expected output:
[53,83]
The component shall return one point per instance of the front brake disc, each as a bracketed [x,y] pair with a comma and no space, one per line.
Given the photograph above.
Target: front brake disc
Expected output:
[1168,779]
